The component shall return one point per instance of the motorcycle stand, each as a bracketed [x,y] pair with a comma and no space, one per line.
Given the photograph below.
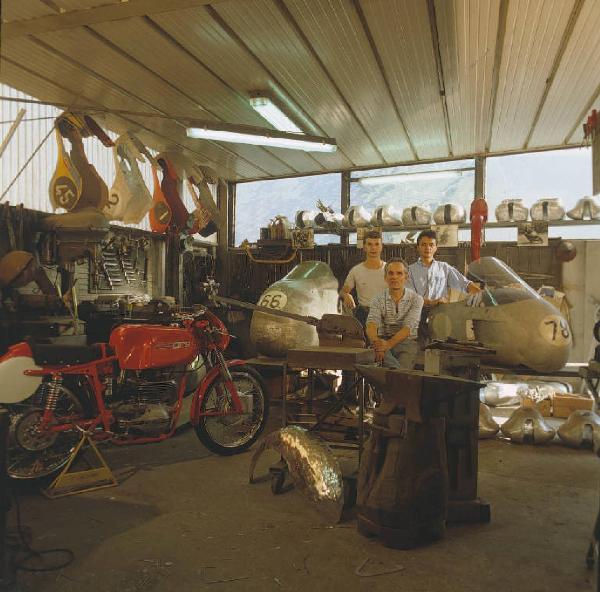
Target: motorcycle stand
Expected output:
[90,479]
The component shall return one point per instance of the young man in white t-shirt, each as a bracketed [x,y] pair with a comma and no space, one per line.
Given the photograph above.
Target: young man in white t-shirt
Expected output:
[367,278]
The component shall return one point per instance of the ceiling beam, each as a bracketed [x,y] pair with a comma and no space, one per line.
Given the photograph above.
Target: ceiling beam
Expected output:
[503,12]
[568,32]
[435,39]
[379,62]
[99,14]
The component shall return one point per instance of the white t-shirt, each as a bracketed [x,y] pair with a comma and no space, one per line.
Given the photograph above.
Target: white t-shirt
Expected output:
[368,282]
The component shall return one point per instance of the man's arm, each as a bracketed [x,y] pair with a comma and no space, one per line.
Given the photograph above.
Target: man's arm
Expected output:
[348,286]
[375,318]
[458,281]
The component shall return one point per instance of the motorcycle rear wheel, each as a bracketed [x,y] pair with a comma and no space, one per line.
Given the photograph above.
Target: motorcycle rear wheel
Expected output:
[230,434]
[32,454]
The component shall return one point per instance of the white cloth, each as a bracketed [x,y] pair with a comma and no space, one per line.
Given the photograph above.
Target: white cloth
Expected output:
[367,282]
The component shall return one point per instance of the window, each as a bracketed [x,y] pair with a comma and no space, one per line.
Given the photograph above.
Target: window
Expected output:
[258,202]
[566,174]
[429,185]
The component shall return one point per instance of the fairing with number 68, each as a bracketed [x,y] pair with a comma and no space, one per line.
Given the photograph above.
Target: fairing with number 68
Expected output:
[310,289]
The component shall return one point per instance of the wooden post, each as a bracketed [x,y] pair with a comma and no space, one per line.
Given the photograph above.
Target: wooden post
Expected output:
[479,177]
[345,202]
[596,162]
[225,232]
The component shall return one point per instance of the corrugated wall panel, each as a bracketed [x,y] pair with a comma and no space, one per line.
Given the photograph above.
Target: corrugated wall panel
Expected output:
[334,30]
[576,80]
[534,29]
[401,31]
[284,54]
[467,32]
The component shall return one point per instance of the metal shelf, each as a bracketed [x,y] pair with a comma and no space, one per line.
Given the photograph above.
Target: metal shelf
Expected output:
[488,225]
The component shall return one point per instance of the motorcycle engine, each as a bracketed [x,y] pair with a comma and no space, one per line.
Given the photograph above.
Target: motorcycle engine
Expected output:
[144,407]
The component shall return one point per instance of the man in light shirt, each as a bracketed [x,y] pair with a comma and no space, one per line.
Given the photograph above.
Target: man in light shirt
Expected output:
[367,278]
[394,318]
[432,279]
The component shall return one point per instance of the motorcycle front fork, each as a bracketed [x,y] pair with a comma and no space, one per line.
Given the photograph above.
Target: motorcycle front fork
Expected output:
[237,406]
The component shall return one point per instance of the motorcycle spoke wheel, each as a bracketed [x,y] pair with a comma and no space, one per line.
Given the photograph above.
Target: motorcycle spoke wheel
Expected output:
[32,454]
[232,433]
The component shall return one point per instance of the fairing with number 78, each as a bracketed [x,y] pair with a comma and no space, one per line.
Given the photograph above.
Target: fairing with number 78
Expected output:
[507,316]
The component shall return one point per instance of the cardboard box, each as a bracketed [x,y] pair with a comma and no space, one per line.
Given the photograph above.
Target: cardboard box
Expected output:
[563,405]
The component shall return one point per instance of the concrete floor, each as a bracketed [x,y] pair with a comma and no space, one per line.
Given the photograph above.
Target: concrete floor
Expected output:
[187,520]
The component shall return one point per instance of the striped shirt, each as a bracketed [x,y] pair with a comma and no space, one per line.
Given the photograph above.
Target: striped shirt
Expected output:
[433,282]
[391,316]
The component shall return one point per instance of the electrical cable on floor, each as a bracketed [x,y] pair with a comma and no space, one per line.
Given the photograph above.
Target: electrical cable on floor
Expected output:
[18,541]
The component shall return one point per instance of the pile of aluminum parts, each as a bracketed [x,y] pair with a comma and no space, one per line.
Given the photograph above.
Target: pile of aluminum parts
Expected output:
[498,394]
[386,216]
[305,218]
[357,216]
[312,466]
[512,210]
[582,429]
[586,208]
[527,426]
[547,208]
[450,213]
[329,220]
[416,216]
[488,427]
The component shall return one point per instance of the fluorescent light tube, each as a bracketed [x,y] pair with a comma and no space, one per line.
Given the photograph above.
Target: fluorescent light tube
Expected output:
[273,114]
[246,134]
[409,177]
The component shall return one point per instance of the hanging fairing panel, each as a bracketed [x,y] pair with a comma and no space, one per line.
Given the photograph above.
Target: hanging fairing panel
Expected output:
[334,30]
[285,55]
[401,32]
[575,83]
[533,34]
[467,33]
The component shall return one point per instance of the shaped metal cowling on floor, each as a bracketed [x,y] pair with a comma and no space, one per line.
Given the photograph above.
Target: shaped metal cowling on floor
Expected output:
[313,467]
[582,429]
[527,426]
[488,427]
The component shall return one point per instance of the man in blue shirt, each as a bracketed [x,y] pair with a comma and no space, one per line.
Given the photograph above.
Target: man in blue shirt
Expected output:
[432,279]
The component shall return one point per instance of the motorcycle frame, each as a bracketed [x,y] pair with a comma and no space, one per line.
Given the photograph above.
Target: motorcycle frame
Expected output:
[93,373]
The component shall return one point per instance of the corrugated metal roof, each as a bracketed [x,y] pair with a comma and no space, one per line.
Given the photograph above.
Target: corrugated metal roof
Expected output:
[394,81]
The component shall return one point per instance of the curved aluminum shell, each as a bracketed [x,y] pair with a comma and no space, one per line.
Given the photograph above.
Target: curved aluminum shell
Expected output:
[547,208]
[498,394]
[357,216]
[488,427]
[305,219]
[582,427]
[309,289]
[416,216]
[313,467]
[527,426]
[450,213]
[386,216]
[586,208]
[329,220]
[512,210]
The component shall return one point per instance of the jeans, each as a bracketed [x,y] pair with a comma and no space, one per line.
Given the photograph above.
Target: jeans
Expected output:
[401,356]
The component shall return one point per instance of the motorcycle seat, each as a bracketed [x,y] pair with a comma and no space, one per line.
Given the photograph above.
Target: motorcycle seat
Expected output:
[50,354]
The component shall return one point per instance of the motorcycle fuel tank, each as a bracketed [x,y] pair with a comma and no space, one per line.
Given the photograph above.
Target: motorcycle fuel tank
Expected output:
[310,289]
[139,347]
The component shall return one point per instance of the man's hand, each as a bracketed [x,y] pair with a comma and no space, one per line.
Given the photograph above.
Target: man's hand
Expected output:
[380,346]
[349,301]
[473,288]
[431,303]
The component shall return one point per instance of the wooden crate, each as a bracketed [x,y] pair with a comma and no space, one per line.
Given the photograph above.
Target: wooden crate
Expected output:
[563,405]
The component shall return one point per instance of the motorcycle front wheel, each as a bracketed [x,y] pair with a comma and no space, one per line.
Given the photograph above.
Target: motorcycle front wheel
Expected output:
[232,433]
[33,453]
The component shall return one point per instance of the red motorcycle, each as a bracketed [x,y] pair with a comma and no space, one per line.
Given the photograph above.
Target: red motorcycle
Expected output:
[129,391]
